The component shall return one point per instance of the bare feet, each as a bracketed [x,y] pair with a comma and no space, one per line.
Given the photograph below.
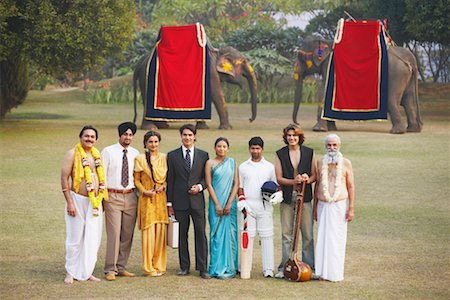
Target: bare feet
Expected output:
[68,279]
[93,278]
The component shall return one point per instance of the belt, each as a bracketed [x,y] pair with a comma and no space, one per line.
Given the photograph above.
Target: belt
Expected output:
[120,191]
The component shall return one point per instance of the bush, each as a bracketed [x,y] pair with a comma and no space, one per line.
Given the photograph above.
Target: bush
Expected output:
[261,36]
[106,95]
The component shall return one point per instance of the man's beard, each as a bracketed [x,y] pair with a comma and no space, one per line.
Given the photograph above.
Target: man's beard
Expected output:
[332,156]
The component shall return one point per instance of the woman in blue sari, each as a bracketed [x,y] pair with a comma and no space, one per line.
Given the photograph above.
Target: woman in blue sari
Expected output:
[222,182]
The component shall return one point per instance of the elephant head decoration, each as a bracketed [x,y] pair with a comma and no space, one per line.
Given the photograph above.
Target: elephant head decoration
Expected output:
[313,58]
[226,64]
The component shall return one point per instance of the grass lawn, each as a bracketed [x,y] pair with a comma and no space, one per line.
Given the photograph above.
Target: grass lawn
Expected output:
[398,245]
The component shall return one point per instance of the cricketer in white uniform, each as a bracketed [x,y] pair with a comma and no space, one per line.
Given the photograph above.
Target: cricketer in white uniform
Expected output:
[252,175]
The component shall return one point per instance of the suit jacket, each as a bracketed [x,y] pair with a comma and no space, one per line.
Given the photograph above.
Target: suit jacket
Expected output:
[180,180]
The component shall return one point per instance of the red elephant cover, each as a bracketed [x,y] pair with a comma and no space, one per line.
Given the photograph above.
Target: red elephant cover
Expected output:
[356,86]
[178,75]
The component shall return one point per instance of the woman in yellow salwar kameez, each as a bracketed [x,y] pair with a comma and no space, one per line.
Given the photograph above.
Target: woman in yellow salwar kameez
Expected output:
[150,171]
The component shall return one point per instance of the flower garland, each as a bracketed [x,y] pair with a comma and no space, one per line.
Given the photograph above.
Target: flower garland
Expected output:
[102,193]
[337,183]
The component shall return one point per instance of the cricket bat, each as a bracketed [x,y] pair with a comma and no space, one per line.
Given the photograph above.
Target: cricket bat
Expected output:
[245,250]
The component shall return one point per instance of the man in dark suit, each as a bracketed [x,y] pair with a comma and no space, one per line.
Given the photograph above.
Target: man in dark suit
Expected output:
[185,184]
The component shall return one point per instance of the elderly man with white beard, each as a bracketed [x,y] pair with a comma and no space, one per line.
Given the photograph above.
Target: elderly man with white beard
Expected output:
[334,200]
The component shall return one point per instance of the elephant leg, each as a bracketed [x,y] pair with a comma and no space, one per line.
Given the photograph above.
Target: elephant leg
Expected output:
[219,99]
[321,125]
[394,112]
[221,107]
[161,124]
[154,125]
[332,126]
[201,125]
[409,103]
[148,125]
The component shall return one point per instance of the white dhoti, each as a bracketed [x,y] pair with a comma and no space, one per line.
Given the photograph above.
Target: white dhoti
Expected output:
[331,240]
[83,237]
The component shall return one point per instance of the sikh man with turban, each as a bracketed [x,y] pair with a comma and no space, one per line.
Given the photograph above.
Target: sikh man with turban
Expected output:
[121,207]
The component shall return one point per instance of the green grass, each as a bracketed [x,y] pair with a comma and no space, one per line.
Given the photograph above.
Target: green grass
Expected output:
[398,245]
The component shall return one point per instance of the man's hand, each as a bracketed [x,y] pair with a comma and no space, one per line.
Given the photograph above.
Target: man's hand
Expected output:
[194,190]
[242,204]
[71,211]
[305,177]
[170,211]
[350,214]
[276,197]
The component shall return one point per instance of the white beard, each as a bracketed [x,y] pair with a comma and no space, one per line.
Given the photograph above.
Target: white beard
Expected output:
[332,156]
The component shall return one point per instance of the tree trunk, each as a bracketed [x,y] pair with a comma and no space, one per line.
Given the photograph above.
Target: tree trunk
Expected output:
[14,83]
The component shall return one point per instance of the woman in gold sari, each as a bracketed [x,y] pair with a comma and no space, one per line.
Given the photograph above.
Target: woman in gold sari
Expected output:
[150,171]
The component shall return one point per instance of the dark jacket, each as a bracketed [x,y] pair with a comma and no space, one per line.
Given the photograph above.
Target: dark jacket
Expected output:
[180,180]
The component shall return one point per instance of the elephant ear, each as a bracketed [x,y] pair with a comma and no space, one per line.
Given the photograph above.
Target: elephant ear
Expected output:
[226,66]
[320,53]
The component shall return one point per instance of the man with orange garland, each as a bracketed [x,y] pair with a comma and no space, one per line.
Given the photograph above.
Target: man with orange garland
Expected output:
[334,201]
[83,206]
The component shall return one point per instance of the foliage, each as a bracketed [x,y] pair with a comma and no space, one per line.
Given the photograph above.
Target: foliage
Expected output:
[39,80]
[219,17]
[66,35]
[428,20]
[324,24]
[107,95]
[266,94]
[394,12]
[14,84]
[266,36]
[269,65]
[141,45]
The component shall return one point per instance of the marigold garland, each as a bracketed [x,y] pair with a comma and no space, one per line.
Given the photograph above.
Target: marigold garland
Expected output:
[337,183]
[102,192]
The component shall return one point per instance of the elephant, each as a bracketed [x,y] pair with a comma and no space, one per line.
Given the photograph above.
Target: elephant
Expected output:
[314,57]
[226,64]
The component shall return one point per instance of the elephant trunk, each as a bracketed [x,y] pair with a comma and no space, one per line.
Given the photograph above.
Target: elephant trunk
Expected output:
[298,95]
[252,84]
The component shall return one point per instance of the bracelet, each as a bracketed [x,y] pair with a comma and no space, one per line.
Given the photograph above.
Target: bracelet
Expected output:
[65,190]
[169,204]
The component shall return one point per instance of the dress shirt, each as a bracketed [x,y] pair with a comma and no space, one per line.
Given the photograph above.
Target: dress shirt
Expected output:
[191,153]
[192,161]
[112,162]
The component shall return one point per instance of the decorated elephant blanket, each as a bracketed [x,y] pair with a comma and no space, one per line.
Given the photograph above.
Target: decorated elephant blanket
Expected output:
[356,85]
[178,85]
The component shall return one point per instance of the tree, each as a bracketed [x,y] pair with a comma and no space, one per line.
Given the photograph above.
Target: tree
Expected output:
[266,36]
[59,35]
[428,24]
[219,17]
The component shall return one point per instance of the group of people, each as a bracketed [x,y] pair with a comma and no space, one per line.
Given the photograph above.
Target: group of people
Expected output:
[127,186]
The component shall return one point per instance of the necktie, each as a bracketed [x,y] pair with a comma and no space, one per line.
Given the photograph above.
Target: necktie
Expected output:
[187,159]
[124,168]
